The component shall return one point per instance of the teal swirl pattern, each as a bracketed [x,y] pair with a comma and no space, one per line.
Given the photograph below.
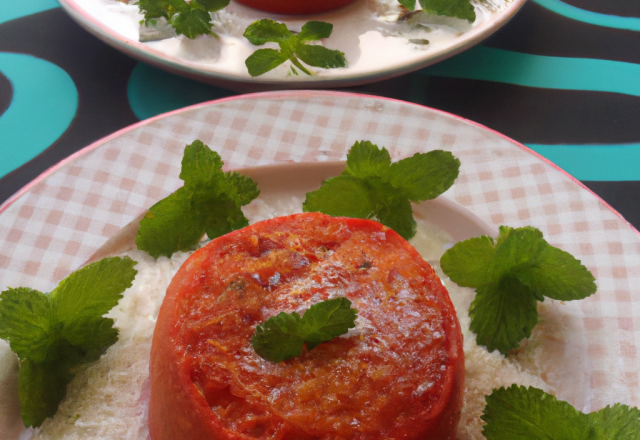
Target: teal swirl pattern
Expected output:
[152,91]
[611,21]
[585,162]
[15,9]
[44,104]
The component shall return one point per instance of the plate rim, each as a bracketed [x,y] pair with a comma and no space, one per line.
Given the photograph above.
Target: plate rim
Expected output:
[143,53]
[291,94]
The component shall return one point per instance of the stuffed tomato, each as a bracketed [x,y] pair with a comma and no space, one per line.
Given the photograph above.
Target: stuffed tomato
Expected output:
[399,374]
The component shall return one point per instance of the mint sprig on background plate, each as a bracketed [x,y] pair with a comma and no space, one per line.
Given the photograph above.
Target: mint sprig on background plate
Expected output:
[293,47]
[371,187]
[283,336]
[450,8]
[54,333]
[529,413]
[188,18]
[510,275]
[209,202]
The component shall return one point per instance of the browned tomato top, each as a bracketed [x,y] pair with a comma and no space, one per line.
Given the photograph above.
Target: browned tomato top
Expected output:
[376,381]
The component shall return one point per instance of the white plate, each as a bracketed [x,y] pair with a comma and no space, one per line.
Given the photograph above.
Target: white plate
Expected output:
[57,222]
[372,50]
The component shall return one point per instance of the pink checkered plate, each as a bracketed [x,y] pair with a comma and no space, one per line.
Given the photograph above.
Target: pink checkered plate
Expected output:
[59,221]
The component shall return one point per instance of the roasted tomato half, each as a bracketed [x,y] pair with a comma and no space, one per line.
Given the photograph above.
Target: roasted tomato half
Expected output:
[399,374]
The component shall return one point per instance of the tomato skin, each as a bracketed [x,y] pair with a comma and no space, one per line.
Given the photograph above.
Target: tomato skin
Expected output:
[179,409]
[296,7]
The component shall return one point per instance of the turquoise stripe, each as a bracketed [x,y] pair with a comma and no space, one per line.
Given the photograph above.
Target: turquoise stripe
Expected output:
[585,162]
[12,9]
[595,162]
[152,91]
[611,21]
[44,103]
[488,64]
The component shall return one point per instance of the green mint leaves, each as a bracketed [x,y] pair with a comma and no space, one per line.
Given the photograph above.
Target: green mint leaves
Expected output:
[451,8]
[510,275]
[529,413]
[188,18]
[52,334]
[292,47]
[282,337]
[209,202]
[371,187]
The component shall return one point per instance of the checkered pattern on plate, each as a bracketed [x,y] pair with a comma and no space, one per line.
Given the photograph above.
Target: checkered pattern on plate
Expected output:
[65,216]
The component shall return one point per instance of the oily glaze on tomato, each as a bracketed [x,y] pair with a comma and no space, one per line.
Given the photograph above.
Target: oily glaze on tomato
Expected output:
[398,375]
[296,7]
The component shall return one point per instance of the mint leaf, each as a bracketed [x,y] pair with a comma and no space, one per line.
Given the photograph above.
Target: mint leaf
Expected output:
[619,422]
[425,175]
[25,322]
[469,265]
[209,202]
[264,31]
[529,413]
[450,8]
[558,275]
[371,187]
[320,56]
[409,4]
[510,275]
[52,334]
[292,47]
[315,30]
[503,314]
[264,60]
[365,159]
[192,23]
[283,336]
[211,5]
[188,18]
[41,388]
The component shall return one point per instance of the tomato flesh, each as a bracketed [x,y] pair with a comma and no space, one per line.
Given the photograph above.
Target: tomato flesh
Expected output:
[295,7]
[399,374]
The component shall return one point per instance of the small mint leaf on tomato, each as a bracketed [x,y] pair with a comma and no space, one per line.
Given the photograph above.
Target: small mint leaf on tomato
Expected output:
[283,336]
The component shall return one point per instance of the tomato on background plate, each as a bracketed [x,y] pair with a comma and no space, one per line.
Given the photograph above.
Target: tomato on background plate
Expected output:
[296,7]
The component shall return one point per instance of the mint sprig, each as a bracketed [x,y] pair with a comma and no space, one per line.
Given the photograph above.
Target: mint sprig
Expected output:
[54,333]
[450,8]
[293,47]
[189,18]
[283,336]
[529,413]
[510,275]
[209,202]
[371,187]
